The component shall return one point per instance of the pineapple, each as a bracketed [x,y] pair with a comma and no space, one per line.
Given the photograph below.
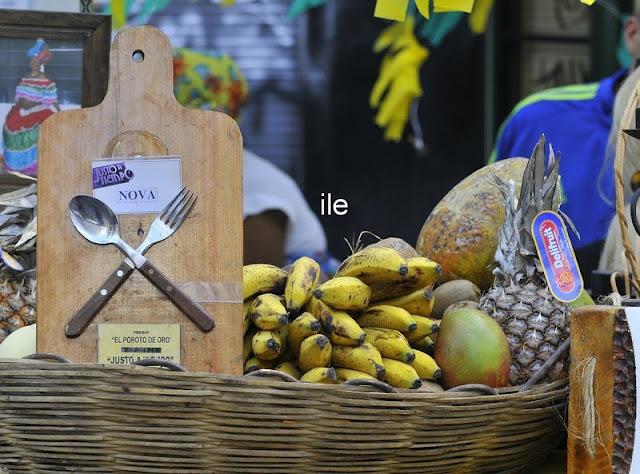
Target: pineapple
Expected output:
[17,259]
[534,321]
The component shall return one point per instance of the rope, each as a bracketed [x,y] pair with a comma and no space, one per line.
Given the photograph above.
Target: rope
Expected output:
[588,404]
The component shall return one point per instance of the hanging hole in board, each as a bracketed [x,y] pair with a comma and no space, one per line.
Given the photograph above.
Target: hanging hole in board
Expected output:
[138,55]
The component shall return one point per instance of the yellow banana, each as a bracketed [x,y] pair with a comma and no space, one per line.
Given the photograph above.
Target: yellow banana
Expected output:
[390,343]
[423,272]
[374,265]
[425,345]
[262,278]
[389,317]
[364,358]
[287,355]
[320,375]
[347,293]
[426,367]
[283,332]
[247,348]
[434,335]
[254,364]
[246,319]
[300,328]
[419,302]
[315,351]
[267,345]
[268,313]
[341,327]
[289,368]
[400,375]
[344,375]
[303,278]
[426,327]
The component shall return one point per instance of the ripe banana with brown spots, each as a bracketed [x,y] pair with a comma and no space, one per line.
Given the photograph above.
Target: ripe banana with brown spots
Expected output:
[344,375]
[390,317]
[400,375]
[267,345]
[378,268]
[364,358]
[341,328]
[426,327]
[262,278]
[300,328]
[390,343]
[418,302]
[345,293]
[315,351]
[426,367]
[303,278]
[268,313]
[320,375]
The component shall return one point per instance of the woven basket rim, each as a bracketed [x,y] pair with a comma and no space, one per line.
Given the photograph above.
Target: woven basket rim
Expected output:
[87,369]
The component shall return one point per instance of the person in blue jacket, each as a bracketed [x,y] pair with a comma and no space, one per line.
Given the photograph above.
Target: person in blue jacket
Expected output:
[576,120]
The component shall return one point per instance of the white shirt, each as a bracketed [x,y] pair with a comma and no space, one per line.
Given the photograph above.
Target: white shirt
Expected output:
[267,188]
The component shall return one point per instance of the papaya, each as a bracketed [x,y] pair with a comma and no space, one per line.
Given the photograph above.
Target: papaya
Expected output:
[461,233]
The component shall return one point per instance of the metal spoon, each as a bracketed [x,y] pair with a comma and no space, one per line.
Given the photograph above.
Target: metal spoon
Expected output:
[97,223]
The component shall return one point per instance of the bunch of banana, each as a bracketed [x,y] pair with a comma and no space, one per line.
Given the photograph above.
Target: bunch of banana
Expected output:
[371,321]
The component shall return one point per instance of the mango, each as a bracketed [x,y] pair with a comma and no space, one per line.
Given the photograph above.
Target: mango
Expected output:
[472,349]
[461,233]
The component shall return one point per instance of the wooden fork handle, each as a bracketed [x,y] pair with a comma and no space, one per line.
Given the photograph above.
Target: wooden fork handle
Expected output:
[79,322]
[196,313]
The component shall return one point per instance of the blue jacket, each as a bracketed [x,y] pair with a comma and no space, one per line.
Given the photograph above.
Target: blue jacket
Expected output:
[576,121]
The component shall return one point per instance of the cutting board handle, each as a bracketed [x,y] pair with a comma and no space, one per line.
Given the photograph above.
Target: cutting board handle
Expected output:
[141,70]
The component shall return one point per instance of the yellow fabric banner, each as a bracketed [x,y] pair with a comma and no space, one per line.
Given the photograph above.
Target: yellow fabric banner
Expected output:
[452,6]
[391,9]
[423,7]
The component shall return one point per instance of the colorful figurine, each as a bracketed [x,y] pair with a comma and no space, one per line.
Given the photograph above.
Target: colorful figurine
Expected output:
[36,99]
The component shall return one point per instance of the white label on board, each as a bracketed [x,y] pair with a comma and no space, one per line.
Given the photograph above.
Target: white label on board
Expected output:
[633,320]
[137,185]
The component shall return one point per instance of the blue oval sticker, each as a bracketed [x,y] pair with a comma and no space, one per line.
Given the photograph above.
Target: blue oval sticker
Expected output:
[556,255]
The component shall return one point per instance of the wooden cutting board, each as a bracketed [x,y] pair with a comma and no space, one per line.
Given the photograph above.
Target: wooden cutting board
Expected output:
[140,116]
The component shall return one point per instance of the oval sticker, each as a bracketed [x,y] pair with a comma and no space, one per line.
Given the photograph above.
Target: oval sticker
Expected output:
[556,255]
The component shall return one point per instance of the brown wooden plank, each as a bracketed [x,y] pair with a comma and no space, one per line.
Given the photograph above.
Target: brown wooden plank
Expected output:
[141,116]
[591,336]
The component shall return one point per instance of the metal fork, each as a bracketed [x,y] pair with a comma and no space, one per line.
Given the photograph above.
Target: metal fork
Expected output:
[163,226]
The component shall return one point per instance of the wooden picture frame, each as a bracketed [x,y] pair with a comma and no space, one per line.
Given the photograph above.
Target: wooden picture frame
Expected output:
[93,29]
[89,73]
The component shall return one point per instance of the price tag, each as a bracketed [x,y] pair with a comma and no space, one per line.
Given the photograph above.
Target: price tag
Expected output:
[137,185]
[556,255]
[128,343]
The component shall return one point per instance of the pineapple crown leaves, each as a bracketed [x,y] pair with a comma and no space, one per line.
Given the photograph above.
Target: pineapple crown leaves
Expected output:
[516,258]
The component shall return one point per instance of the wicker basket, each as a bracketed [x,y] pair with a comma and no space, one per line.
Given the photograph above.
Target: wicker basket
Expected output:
[95,418]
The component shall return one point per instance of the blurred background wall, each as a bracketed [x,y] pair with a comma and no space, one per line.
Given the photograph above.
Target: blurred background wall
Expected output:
[310,78]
